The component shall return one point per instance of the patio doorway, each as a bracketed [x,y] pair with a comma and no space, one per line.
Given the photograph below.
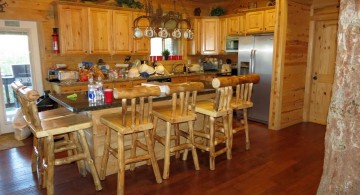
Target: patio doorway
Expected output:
[19,60]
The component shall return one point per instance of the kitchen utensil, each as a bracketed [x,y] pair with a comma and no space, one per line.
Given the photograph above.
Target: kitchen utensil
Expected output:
[138,33]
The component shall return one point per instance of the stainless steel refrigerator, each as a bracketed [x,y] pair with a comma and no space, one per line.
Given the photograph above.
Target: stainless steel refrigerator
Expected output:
[255,55]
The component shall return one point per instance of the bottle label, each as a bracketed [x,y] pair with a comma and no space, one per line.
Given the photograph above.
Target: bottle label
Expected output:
[91,95]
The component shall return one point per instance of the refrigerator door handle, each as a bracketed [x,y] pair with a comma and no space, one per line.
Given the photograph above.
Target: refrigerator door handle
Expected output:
[253,61]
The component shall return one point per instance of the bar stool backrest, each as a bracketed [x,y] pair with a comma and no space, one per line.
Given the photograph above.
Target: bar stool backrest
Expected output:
[182,95]
[243,84]
[28,98]
[133,96]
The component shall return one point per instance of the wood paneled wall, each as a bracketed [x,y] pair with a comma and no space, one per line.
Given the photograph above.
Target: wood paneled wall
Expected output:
[288,83]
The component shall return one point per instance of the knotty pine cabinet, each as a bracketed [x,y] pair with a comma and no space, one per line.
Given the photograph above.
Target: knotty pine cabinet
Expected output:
[210,36]
[260,21]
[141,45]
[236,25]
[89,30]
[73,29]
[100,30]
[122,32]
[223,34]
[194,45]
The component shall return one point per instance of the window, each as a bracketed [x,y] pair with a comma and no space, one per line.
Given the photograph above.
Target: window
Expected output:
[159,44]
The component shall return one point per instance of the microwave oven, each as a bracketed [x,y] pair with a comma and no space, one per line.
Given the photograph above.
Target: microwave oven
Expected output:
[232,44]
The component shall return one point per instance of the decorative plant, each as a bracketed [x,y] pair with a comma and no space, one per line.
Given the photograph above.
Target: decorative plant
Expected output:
[130,3]
[165,53]
[217,11]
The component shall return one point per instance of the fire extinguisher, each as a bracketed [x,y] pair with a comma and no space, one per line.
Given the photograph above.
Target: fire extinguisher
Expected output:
[55,41]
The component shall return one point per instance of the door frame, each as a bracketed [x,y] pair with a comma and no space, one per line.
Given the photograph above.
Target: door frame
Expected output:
[32,28]
[310,58]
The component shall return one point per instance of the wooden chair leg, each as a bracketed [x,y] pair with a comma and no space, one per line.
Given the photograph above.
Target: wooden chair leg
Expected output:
[153,160]
[34,156]
[89,161]
[230,136]
[67,138]
[167,151]
[227,134]
[105,158]
[121,165]
[177,139]
[192,141]
[212,144]
[133,149]
[80,163]
[50,165]
[247,139]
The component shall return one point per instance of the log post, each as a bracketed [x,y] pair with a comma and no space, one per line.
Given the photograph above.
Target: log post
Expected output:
[342,140]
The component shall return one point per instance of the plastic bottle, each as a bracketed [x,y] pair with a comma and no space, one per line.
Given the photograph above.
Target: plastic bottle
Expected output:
[91,91]
[99,90]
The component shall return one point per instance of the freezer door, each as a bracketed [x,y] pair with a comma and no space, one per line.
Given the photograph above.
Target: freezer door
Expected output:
[246,45]
[262,54]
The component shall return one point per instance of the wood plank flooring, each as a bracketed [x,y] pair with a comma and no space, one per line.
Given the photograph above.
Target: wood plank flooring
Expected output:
[279,162]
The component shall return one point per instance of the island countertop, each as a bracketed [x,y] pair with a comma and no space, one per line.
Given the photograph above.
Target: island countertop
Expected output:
[81,103]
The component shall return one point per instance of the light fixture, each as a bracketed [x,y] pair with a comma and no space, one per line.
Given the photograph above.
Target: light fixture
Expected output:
[162,25]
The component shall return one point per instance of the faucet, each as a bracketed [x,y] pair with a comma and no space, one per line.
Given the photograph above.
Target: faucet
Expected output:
[174,67]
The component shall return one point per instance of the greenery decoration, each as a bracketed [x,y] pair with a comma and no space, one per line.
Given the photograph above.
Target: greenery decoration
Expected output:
[165,53]
[130,3]
[217,11]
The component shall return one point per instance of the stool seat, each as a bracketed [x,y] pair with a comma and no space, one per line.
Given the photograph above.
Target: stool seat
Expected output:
[55,113]
[63,125]
[207,107]
[166,114]
[112,121]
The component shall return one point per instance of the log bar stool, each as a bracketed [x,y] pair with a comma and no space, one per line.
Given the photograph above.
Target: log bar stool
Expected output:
[43,116]
[183,97]
[220,107]
[44,132]
[242,100]
[132,121]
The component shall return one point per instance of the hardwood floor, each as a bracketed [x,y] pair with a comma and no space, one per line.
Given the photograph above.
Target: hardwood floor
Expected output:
[279,162]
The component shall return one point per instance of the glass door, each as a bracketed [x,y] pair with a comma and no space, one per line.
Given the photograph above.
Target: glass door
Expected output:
[16,47]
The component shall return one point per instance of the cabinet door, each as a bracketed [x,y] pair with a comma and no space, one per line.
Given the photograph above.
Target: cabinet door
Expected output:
[223,34]
[233,25]
[122,32]
[242,26]
[100,22]
[269,20]
[254,21]
[210,36]
[194,45]
[73,29]
[141,45]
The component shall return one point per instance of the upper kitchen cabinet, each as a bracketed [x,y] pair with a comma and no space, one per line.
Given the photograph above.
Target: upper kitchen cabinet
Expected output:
[236,25]
[223,34]
[260,21]
[194,45]
[141,45]
[122,32]
[210,36]
[100,30]
[73,29]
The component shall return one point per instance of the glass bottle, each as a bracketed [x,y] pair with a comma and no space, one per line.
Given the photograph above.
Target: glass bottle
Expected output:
[91,91]
[99,90]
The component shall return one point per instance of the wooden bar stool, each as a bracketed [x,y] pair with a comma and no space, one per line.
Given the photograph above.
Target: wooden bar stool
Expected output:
[220,107]
[183,97]
[242,102]
[45,131]
[130,121]
[43,116]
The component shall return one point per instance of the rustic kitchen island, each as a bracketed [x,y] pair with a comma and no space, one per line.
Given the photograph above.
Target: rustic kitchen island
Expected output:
[96,135]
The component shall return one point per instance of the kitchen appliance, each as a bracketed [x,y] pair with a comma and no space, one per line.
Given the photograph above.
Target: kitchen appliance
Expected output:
[255,55]
[232,44]
[66,76]
[53,75]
